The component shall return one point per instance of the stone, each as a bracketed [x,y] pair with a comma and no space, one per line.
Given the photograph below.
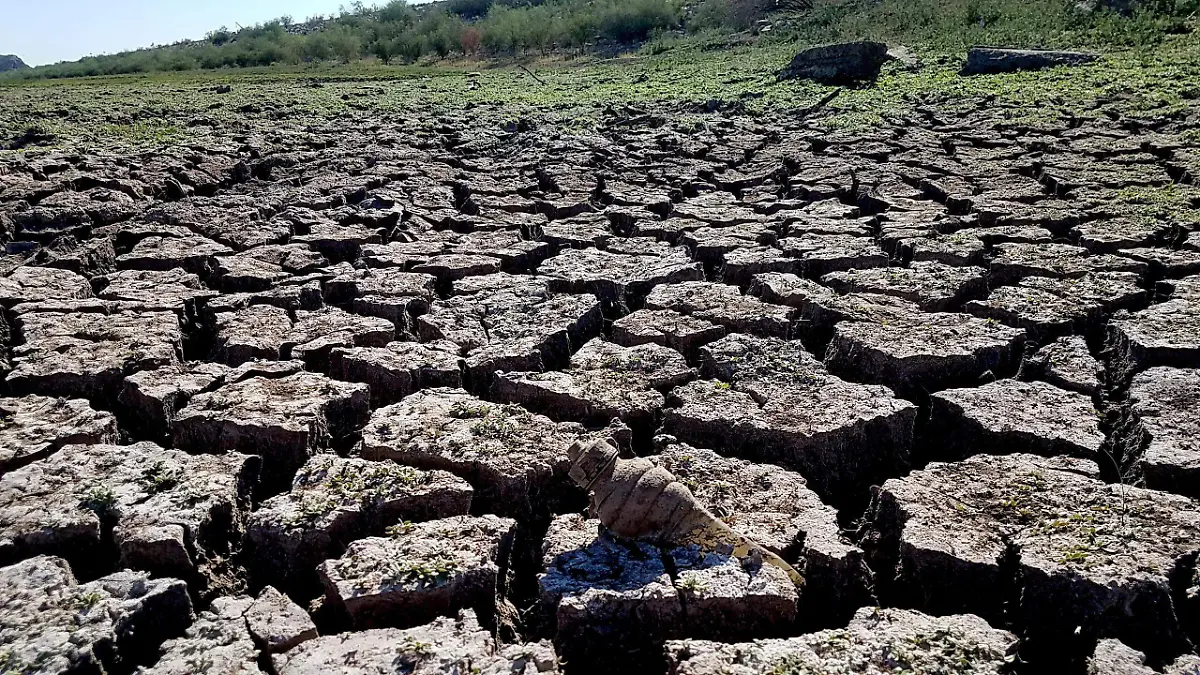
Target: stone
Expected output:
[1010,416]
[1013,262]
[606,601]
[919,354]
[723,305]
[454,266]
[1067,364]
[1160,433]
[49,623]
[990,60]
[877,640]
[35,284]
[1111,236]
[161,511]
[619,281]
[197,255]
[257,332]
[769,400]
[314,335]
[1113,657]
[667,328]
[603,381]
[421,571]
[89,354]
[445,645]
[821,254]
[932,286]
[775,508]
[174,290]
[1078,559]
[1049,308]
[843,63]
[33,428]
[819,308]
[335,501]
[515,460]
[277,623]
[217,642]
[284,420]
[1166,334]
[399,368]
[507,323]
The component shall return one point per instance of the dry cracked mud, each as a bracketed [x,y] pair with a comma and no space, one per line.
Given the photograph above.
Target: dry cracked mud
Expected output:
[297,398]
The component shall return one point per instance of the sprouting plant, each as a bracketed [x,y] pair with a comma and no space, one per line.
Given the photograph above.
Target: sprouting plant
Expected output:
[466,410]
[400,529]
[692,584]
[159,477]
[100,500]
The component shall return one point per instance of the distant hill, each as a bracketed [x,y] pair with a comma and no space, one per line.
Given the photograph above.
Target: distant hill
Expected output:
[11,62]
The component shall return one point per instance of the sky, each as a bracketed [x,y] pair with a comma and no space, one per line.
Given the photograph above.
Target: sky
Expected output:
[49,31]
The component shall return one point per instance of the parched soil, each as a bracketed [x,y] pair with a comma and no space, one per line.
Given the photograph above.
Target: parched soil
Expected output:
[296,396]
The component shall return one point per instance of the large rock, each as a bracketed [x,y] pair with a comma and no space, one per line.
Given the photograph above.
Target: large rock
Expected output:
[51,624]
[421,571]
[218,642]
[34,427]
[1160,433]
[515,460]
[1041,543]
[164,511]
[989,60]
[335,501]
[284,420]
[838,63]
[876,641]
[447,645]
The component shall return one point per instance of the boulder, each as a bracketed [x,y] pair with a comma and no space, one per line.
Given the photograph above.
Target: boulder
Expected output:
[990,60]
[842,63]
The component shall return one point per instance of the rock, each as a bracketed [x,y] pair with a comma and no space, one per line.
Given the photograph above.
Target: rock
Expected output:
[51,624]
[89,354]
[257,332]
[606,601]
[284,420]
[1160,432]
[772,401]
[164,511]
[527,328]
[819,308]
[621,282]
[36,284]
[515,460]
[335,501]
[399,368]
[843,63]
[774,507]
[421,571]
[1068,364]
[667,328]
[822,254]
[277,623]
[1009,416]
[1166,334]
[877,640]
[922,353]
[194,254]
[1112,657]
[33,428]
[1013,262]
[217,642]
[1048,308]
[603,381]
[445,645]
[989,60]
[175,290]
[932,286]
[723,305]
[316,334]
[1081,559]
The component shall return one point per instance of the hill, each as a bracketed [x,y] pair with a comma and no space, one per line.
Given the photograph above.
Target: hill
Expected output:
[486,29]
[11,62]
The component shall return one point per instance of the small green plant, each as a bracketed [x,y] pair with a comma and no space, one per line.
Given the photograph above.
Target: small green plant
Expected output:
[100,500]
[400,529]
[158,477]
[465,410]
[693,585]
[496,426]
[421,572]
